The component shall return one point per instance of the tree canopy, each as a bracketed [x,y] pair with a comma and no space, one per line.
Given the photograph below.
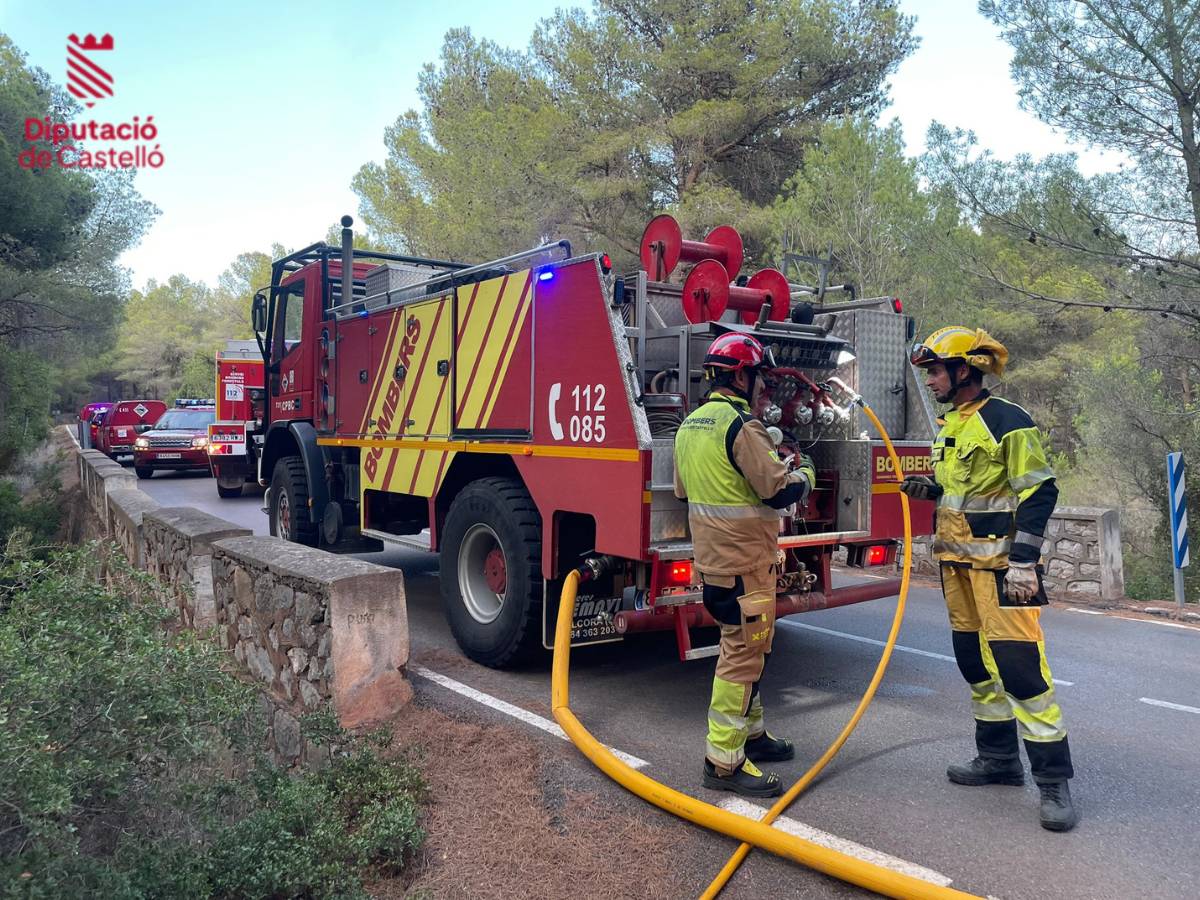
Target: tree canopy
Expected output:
[610,116]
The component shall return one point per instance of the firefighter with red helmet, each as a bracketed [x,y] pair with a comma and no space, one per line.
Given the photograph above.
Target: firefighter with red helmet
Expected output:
[734,482]
[995,492]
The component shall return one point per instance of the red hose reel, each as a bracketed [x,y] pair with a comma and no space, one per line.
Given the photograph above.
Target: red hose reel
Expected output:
[707,291]
[663,247]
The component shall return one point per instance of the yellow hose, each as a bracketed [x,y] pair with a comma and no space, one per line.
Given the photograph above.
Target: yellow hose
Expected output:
[760,834]
[796,789]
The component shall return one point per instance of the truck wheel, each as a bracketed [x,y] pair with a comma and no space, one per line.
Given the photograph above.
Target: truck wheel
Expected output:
[229,486]
[491,572]
[289,503]
[144,472]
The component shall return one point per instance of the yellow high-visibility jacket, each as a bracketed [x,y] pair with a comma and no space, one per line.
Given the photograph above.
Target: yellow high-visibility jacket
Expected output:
[998,487]
[727,469]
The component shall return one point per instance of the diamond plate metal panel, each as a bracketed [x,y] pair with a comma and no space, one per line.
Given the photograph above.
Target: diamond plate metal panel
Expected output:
[880,343]
[852,461]
[668,515]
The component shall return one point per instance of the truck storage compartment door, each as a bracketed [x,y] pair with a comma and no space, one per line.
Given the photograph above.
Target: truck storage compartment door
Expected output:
[424,353]
[410,406]
[494,357]
[357,372]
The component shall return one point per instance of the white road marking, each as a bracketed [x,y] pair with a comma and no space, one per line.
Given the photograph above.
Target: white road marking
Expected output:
[1092,612]
[1165,624]
[1166,705]
[833,842]
[515,711]
[875,643]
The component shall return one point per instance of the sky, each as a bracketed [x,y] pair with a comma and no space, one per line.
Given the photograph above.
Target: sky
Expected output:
[265,111]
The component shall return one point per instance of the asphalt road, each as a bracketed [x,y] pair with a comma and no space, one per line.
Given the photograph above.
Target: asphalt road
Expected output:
[1131,698]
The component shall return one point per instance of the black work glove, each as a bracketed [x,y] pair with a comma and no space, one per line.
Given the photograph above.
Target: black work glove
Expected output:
[921,487]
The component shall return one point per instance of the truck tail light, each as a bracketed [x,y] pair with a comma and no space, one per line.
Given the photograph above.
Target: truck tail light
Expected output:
[679,573]
[877,555]
[897,306]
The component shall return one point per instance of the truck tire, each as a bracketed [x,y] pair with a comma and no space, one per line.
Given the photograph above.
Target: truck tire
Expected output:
[228,487]
[144,472]
[491,572]
[289,503]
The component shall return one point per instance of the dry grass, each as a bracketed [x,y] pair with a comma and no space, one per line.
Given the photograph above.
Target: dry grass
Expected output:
[504,821]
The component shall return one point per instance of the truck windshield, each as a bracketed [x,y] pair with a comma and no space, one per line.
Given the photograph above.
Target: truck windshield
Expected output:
[187,419]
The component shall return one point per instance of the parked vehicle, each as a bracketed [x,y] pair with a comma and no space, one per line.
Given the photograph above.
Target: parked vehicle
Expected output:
[88,423]
[119,426]
[231,454]
[178,440]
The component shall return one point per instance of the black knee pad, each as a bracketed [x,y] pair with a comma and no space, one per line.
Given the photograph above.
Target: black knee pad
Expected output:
[969,656]
[1020,665]
[722,602]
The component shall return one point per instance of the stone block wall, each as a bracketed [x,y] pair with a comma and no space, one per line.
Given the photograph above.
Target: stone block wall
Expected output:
[98,475]
[1081,554]
[314,630]
[288,612]
[179,542]
[126,508]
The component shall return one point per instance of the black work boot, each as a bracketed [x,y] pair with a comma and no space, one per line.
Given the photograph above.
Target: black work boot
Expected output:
[987,770]
[766,748]
[1058,812]
[746,780]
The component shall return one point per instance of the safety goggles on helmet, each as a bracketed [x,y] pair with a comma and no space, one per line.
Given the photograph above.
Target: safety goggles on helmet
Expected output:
[923,355]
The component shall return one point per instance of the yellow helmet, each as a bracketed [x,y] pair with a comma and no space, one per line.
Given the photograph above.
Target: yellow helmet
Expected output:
[974,347]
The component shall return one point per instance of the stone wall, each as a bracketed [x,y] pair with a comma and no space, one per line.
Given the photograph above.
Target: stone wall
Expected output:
[179,542]
[313,629]
[126,508]
[98,475]
[287,612]
[1081,554]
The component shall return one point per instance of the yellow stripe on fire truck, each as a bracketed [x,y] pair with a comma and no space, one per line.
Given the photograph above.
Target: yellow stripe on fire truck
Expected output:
[493,315]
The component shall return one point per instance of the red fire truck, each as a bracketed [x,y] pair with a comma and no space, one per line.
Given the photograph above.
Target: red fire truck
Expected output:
[232,452]
[119,427]
[519,416]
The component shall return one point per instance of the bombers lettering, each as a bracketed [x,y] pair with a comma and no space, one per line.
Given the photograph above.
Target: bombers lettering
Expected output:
[909,465]
[383,424]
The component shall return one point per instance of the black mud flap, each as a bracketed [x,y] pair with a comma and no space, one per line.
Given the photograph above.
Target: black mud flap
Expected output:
[594,621]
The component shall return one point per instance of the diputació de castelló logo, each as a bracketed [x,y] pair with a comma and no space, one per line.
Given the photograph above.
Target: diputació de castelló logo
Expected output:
[90,82]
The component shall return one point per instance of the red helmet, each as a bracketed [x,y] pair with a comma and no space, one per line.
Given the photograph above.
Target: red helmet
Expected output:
[734,350]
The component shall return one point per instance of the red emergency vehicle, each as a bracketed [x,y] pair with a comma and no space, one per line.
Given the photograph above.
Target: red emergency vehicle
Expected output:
[232,451]
[518,416]
[88,423]
[178,440]
[119,426]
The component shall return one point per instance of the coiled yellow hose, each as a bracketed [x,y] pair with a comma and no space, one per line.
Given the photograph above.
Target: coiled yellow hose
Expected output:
[751,833]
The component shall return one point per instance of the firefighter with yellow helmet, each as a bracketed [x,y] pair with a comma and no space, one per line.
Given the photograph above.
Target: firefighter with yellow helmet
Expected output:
[728,471]
[995,492]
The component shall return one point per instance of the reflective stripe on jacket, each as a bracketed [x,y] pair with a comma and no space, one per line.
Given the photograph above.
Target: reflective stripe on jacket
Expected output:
[727,469]
[998,487]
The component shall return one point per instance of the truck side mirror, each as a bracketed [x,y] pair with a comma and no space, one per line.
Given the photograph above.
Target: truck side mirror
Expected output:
[258,313]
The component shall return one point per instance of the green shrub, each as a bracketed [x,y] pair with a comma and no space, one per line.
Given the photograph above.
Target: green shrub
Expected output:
[38,514]
[117,737]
